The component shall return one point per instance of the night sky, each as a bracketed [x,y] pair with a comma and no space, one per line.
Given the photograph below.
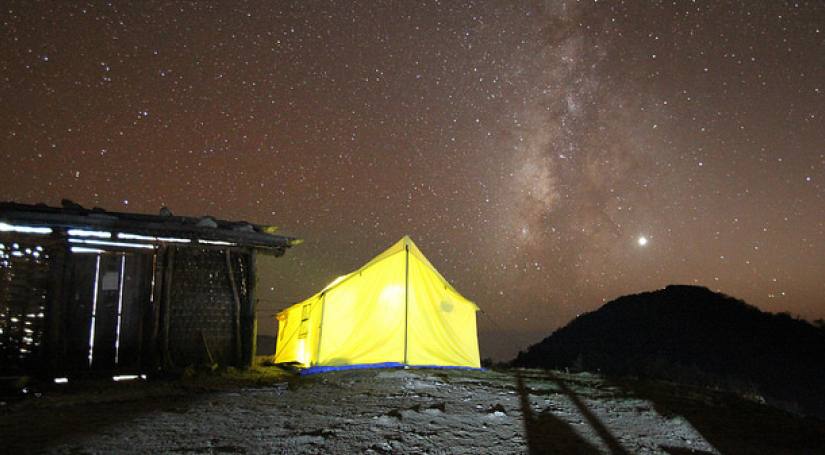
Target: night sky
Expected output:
[546,156]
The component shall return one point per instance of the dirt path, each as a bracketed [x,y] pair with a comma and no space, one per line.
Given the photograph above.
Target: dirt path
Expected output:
[408,411]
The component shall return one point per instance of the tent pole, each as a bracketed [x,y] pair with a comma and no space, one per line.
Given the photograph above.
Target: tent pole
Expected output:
[406,298]
[320,330]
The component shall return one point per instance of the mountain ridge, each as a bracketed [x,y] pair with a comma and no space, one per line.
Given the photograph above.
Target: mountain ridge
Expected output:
[692,335]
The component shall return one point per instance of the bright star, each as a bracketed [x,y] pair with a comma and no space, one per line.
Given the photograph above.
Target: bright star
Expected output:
[642,240]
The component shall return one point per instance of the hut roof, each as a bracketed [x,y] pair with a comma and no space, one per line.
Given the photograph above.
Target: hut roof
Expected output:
[164,225]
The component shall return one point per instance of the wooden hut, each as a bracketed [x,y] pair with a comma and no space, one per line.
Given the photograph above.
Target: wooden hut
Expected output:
[90,291]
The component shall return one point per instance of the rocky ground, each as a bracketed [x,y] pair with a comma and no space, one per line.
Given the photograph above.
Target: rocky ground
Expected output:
[399,411]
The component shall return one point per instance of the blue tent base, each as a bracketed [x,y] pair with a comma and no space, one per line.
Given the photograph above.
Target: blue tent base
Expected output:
[324,369]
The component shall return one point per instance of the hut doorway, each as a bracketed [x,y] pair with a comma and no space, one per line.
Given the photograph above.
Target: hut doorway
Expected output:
[109,305]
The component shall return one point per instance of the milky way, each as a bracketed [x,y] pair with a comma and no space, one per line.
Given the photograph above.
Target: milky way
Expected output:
[526,147]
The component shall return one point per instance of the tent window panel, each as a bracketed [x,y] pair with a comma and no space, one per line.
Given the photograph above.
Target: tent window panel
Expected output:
[304,328]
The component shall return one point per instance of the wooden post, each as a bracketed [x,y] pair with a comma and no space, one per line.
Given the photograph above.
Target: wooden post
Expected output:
[237,300]
[167,304]
[251,326]
[60,275]
[152,358]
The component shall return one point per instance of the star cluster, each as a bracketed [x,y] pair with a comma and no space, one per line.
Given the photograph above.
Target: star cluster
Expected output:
[547,156]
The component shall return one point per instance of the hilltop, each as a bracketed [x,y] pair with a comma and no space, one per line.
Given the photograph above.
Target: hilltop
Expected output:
[689,334]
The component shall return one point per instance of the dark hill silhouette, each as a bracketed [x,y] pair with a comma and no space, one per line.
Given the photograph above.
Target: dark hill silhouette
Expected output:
[690,334]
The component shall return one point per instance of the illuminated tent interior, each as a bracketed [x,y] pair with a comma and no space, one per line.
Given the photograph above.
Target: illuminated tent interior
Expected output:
[396,310]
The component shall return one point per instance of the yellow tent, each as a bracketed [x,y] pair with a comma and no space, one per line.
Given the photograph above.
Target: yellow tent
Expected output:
[396,310]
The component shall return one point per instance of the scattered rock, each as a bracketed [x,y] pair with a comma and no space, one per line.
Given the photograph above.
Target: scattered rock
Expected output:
[497,410]
[323,432]
[382,447]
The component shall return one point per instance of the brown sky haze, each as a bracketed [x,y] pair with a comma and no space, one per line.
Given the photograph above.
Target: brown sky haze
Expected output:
[525,147]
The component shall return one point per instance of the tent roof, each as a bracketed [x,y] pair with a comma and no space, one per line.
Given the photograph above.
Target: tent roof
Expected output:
[399,246]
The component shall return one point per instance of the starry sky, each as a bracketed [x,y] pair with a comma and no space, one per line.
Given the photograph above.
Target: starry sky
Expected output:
[546,156]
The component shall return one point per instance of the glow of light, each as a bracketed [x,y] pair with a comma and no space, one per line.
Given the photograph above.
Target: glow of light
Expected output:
[154,268]
[61,380]
[301,351]
[215,242]
[85,233]
[120,306]
[94,310]
[107,243]
[392,294]
[642,241]
[80,249]
[336,281]
[127,236]
[173,239]
[5,227]
[123,235]
[127,377]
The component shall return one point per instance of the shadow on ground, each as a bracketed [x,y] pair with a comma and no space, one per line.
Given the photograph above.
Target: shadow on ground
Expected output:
[35,427]
[729,423]
[68,415]
[547,433]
